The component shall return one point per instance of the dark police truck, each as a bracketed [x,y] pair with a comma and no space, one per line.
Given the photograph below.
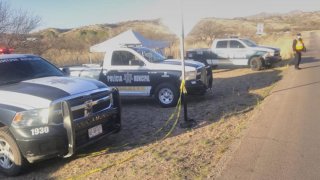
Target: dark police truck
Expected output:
[45,114]
[139,71]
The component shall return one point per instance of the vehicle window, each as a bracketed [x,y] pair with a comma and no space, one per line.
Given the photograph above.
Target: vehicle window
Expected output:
[236,44]
[125,58]
[249,43]
[150,55]
[15,70]
[222,44]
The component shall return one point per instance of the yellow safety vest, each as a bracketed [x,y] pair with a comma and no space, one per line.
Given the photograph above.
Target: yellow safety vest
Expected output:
[299,45]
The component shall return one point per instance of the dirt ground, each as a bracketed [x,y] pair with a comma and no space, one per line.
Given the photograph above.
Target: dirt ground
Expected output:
[138,152]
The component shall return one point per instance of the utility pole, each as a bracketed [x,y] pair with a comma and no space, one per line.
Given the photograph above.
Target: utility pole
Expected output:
[187,123]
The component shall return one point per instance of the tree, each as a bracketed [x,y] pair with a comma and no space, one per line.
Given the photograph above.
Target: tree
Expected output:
[15,25]
[206,31]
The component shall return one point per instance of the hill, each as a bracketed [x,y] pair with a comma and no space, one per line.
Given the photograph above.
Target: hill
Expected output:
[295,21]
[92,34]
[70,46]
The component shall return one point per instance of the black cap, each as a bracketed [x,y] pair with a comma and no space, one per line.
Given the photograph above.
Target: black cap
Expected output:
[299,34]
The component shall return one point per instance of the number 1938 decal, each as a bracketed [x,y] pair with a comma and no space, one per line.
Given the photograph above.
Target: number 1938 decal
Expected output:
[39,131]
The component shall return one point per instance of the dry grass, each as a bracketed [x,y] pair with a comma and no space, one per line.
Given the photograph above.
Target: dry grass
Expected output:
[186,154]
[67,58]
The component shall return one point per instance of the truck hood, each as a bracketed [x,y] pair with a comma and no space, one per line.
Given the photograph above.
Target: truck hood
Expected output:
[265,48]
[188,63]
[39,93]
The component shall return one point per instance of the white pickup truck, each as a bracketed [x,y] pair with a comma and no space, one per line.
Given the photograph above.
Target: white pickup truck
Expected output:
[238,52]
[139,71]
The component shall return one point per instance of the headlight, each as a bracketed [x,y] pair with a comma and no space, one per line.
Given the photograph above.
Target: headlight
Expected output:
[269,54]
[36,117]
[191,75]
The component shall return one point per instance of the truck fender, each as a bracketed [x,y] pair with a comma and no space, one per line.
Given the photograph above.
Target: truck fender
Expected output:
[256,56]
[174,81]
[6,117]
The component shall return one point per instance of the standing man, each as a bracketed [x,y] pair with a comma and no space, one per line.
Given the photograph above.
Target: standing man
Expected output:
[298,46]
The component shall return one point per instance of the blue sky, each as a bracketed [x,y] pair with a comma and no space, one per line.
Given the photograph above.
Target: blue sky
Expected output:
[75,13]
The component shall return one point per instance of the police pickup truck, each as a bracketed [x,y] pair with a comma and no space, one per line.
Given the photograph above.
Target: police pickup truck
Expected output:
[237,52]
[139,71]
[45,114]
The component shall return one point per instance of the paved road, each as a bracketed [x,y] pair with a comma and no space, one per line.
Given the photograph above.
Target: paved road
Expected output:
[283,141]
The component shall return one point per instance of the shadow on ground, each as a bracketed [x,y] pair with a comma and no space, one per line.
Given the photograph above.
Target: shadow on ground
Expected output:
[143,117]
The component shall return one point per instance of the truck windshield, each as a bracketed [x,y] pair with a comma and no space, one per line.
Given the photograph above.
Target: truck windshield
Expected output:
[150,55]
[14,70]
[249,43]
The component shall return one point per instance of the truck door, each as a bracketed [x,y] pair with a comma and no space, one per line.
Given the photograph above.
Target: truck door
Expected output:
[222,52]
[238,53]
[129,74]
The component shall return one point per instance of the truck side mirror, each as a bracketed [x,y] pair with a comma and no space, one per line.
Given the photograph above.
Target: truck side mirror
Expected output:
[66,71]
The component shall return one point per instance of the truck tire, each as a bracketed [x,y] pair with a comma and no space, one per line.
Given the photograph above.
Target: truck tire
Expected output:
[255,64]
[11,159]
[167,95]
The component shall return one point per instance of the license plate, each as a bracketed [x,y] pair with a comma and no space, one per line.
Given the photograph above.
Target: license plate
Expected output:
[95,131]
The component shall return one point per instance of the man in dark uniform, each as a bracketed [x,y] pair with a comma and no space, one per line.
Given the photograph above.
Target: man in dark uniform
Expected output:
[298,46]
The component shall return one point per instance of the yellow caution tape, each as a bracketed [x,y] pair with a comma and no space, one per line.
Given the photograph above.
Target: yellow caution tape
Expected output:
[140,152]
[106,166]
[183,88]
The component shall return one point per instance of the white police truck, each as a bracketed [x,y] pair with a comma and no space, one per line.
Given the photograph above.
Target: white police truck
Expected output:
[238,52]
[139,71]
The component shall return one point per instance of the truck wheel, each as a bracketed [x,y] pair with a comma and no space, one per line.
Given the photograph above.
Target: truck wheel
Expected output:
[11,159]
[167,95]
[255,64]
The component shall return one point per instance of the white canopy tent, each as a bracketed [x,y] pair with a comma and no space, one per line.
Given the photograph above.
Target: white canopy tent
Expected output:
[129,37]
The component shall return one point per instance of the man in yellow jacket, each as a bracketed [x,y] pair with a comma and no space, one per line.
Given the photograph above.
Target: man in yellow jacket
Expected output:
[298,47]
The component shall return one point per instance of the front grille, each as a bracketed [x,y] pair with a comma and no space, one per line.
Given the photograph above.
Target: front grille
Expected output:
[101,106]
[83,106]
[99,112]
[78,114]
[277,53]
[90,104]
